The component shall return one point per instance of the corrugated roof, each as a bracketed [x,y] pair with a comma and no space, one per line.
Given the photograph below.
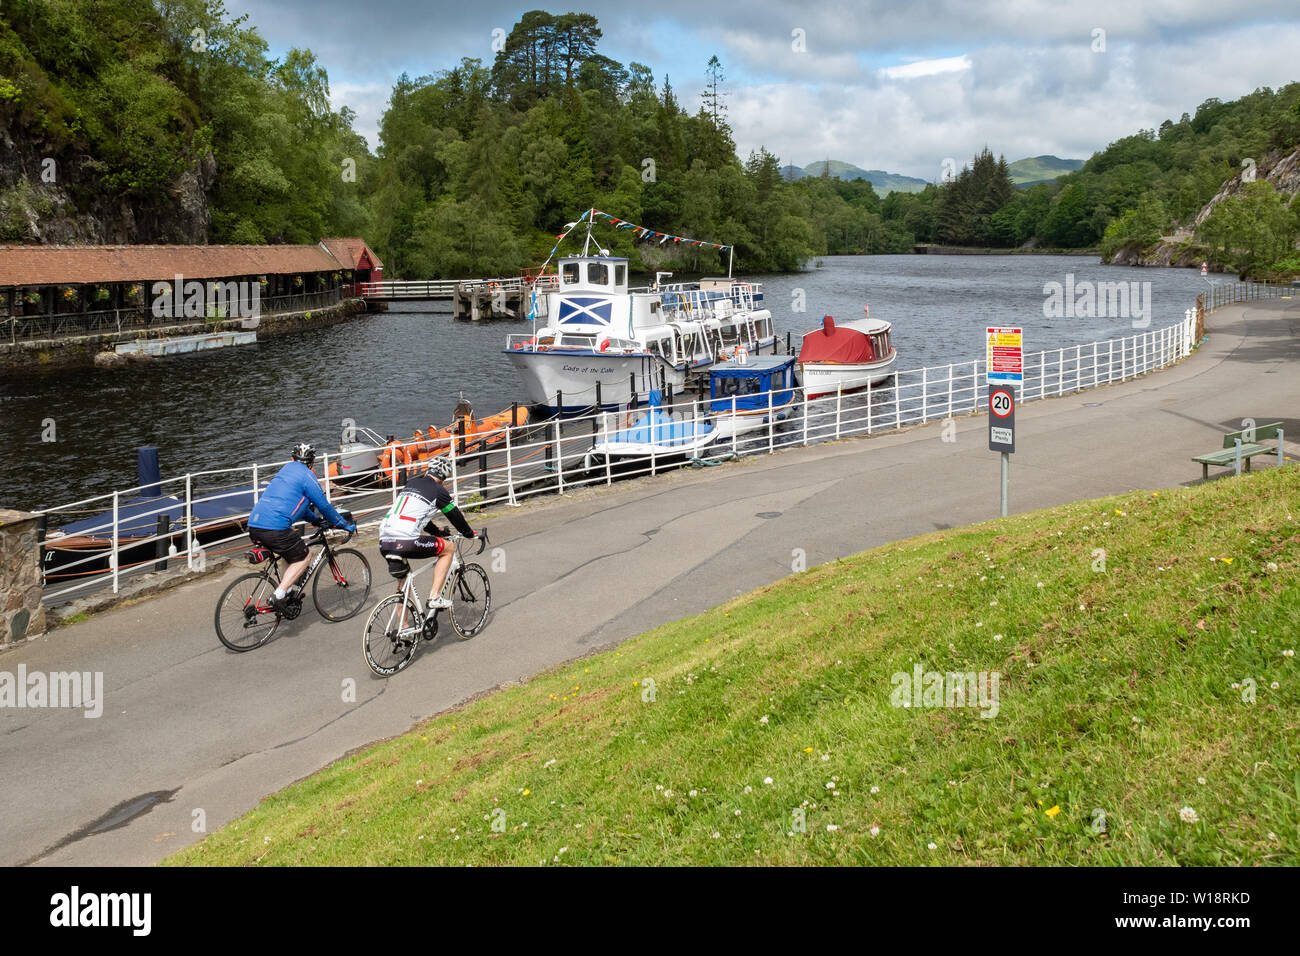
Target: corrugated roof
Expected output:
[74,265]
[348,250]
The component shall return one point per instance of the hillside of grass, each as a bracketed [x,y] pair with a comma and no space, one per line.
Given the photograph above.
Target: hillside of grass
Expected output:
[1041,169]
[1146,714]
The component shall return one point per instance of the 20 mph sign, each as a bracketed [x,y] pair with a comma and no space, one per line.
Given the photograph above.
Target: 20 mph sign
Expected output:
[1002,418]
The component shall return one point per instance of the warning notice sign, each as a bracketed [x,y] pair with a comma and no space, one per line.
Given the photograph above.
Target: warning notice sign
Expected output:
[1005,354]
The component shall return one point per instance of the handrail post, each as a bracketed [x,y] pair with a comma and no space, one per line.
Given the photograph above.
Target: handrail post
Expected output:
[510,470]
[255,488]
[771,423]
[839,398]
[925,392]
[559,457]
[114,557]
[805,418]
[609,470]
[325,468]
[189,522]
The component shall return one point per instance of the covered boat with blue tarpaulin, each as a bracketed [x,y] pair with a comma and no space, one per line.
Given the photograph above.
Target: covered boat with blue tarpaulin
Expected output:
[748,391]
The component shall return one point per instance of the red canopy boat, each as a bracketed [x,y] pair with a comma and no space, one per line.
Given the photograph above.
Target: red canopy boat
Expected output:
[846,357]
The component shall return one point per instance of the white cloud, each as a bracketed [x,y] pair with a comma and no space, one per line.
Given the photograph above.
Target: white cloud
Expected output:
[920,68]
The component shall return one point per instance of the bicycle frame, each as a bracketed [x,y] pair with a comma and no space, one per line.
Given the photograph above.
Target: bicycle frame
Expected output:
[321,555]
[413,593]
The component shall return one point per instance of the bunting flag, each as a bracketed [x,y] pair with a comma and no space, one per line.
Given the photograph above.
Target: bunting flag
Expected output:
[643,232]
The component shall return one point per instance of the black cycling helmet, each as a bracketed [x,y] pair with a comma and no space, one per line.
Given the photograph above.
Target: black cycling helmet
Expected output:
[440,468]
[304,452]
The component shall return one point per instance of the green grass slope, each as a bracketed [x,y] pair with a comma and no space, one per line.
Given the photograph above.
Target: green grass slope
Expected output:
[1041,169]
[1146,713]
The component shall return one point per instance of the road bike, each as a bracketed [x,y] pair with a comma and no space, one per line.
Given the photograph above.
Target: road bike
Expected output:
[245,617]
[398,624]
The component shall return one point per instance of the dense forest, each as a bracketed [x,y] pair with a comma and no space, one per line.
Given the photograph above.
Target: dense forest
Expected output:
[175,110]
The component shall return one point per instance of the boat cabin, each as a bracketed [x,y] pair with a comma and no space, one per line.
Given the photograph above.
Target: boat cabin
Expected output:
[598,274]
[749,383]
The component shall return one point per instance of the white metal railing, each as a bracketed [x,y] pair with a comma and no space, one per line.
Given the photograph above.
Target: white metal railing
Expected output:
[552,456]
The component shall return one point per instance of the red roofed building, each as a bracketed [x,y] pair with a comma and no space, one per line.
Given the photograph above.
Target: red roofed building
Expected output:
[61,290]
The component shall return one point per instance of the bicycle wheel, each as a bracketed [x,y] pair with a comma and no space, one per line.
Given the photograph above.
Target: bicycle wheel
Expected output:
[342,585]
[244,617]
[392,635]
[471,598]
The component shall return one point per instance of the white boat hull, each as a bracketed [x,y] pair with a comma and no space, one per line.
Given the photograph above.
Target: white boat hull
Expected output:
[574,376]
[729,426]
[829,378]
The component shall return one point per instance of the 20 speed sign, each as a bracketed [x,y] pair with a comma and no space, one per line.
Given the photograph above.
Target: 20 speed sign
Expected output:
[1002,418]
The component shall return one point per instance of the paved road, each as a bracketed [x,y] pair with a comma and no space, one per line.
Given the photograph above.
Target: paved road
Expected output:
[188,726]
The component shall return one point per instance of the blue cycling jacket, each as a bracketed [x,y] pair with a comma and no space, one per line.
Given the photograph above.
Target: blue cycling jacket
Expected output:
[289,498]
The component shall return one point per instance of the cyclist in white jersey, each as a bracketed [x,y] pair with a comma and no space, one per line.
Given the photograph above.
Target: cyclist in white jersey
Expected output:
[407,530]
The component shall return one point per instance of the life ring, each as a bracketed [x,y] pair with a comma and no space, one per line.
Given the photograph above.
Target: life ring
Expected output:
[604,345]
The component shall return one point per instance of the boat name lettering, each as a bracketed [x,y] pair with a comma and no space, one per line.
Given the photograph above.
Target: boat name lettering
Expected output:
[588,368]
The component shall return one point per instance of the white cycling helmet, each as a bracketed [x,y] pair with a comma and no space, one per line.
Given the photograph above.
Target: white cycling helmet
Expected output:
[440,468]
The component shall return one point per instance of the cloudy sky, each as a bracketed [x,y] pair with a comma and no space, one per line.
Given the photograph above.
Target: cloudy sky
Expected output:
[899,86]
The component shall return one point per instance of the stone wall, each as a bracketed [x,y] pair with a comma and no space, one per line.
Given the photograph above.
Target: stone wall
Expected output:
[27,359]
[22,616]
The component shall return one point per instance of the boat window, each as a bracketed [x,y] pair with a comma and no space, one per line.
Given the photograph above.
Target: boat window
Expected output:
[569,273]
[737,386]
[620,275]
[597,273]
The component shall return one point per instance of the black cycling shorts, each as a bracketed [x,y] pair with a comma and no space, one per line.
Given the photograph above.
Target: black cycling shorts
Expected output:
[287,544]
[425,546]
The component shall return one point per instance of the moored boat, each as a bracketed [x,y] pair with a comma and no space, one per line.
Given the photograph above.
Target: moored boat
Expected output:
[608,345]
[746,393]
[844,358]
[654,434]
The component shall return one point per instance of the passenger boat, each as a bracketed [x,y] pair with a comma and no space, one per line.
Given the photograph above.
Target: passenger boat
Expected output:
[845,358]
[746,392]
[609,345]
[654,434]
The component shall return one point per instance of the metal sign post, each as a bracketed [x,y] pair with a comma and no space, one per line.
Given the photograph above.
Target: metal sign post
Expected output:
[1002,431]
[1005,358]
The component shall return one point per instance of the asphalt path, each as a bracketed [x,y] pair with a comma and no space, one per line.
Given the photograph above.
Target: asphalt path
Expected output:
[192,733]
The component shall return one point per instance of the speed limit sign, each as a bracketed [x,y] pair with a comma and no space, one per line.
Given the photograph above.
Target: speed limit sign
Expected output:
[1002,418]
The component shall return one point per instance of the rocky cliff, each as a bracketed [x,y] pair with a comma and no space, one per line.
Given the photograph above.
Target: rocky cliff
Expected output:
[60,199]
[1281,169]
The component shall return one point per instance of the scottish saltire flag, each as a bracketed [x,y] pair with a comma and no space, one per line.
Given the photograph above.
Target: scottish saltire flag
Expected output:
[585,310]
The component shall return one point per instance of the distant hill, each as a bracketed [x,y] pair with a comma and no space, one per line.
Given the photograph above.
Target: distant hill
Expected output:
[1042,169]
[883,182]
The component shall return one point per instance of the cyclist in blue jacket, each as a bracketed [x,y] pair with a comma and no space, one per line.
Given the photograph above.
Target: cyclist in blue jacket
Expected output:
[293,495]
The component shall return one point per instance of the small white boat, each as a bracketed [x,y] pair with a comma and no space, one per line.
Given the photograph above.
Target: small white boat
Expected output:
[654,434]
[845,358]
[746,392]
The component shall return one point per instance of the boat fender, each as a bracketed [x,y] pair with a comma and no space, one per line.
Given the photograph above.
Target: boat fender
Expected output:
[604,345]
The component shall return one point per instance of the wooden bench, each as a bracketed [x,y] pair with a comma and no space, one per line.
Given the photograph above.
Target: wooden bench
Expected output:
[1243,446]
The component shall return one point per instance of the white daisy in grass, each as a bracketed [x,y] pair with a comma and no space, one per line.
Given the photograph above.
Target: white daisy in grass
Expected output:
[763,719]
[1288,653]
[748,789]
[695,793]
[931,846]
[874,831]
[831,828]
[1274,686]
[1188,815]
[768,781]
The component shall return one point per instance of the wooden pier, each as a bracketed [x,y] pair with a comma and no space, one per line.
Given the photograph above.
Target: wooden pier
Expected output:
[472,299]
